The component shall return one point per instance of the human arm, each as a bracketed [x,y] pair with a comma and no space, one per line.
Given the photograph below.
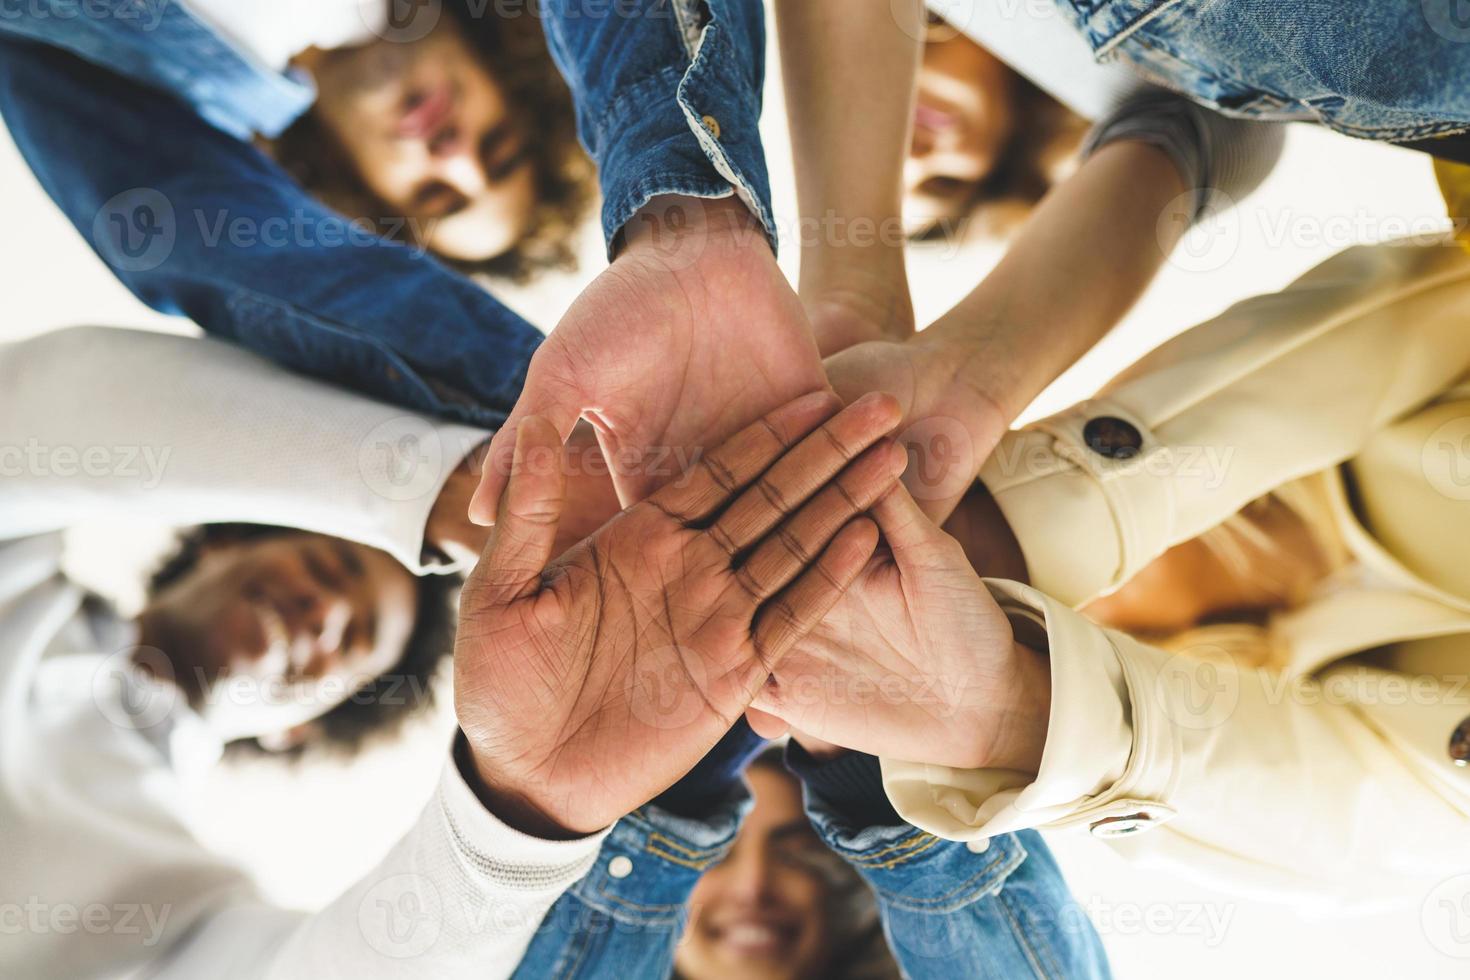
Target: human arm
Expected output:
[969,375]
[998,909]
[102,422]
[199,223]
[849,72]
[693,331]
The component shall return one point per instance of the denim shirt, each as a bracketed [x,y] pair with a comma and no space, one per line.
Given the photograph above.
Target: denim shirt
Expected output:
[136,118]
[1000,914]
[668,96]
[1396,70]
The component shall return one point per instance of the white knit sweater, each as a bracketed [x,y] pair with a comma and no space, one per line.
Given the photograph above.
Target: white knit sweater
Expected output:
[99,873]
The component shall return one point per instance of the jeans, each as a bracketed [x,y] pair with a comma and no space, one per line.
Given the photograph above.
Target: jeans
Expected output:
[1001,914]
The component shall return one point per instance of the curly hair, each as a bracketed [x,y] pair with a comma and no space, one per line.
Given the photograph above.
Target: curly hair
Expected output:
[513,49]
[379,709]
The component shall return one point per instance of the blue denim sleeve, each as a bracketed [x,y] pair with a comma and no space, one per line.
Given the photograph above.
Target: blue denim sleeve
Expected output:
[200,224]
[625,918]
[999,912]
[668,96]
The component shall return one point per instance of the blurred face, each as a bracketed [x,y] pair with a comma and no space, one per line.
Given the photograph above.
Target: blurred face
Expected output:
[267,635]
[962,123]
[431,135]
[762,914]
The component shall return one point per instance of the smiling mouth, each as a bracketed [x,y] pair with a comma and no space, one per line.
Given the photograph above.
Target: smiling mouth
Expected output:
[754,939]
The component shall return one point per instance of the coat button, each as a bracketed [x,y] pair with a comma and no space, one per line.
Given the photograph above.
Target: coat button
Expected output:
[1112,438]
[1109,827]
[620,866]
[978,846]
[1460,744]
[712,125]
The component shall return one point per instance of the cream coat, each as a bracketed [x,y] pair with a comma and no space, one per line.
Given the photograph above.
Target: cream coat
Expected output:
[1326,770]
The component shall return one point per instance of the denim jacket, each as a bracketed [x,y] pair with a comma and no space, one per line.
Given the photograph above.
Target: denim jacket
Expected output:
[136,117]
[1396,70]
[1000,914]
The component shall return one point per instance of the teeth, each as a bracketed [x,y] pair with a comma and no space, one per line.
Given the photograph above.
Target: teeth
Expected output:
[751,935]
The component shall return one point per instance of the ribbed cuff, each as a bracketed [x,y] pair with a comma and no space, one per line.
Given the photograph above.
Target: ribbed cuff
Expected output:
[851,786]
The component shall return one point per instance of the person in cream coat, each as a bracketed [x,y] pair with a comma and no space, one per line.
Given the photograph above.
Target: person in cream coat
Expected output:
[1276,504]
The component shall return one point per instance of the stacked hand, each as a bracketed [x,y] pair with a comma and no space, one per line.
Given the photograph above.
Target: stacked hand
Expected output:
[689,335]
[588,684]
[916,661]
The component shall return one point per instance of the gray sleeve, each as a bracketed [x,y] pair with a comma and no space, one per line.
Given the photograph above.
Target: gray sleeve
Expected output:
[1215,154]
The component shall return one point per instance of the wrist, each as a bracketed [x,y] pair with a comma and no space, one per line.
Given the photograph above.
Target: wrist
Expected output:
[1026,715]
[675,229]
[856,294]
[516,807]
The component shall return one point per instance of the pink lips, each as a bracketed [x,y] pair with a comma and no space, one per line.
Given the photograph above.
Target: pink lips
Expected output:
[425,113]
[932,119]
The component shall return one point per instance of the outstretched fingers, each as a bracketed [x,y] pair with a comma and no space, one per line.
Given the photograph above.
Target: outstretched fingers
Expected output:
[794,545]
[803,470]
[726,470]
[790,616]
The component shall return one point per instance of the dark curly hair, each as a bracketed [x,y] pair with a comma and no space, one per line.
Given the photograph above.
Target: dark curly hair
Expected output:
[378,710]
[513,48]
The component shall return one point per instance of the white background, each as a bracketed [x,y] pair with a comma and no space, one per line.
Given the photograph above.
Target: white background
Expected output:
[310,830]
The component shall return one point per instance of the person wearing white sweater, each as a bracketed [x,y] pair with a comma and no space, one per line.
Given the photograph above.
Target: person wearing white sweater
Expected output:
[106,724]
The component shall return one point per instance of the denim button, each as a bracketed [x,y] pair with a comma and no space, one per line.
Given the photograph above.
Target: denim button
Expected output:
[1122,826]
[978,846]
[712,125]
[1460,744]
[620,867]
[1112,438]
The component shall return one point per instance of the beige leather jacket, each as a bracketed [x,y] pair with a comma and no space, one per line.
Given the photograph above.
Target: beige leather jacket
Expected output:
[1332,766]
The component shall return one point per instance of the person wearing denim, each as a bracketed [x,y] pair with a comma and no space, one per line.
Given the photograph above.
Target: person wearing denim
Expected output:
[1393,70]
[136,118]
[942,909]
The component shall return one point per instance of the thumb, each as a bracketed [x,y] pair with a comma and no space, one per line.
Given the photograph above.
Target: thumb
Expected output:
[907,530]
[500,458]
[529,511]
